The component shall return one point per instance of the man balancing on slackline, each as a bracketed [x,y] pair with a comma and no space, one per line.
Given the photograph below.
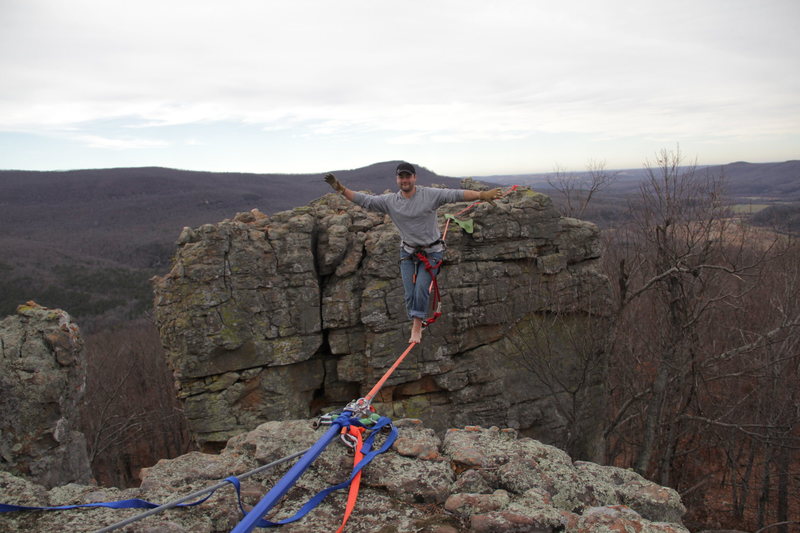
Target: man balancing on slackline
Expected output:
[413,210]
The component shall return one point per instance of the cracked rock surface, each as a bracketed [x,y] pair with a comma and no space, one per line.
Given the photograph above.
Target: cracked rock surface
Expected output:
[473,480]
[42,381]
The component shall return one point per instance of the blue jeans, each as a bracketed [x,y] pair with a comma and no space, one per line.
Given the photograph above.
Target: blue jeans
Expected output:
[416,294]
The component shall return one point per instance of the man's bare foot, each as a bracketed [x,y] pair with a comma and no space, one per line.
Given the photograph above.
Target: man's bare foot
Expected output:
[416,331]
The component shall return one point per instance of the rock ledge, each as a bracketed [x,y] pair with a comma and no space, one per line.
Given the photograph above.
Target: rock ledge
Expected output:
[473,480]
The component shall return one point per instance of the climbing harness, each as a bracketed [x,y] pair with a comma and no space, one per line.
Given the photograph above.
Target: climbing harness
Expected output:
[350,423]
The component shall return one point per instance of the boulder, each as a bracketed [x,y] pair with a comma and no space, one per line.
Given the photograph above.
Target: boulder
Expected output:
[42,381]
[475,479]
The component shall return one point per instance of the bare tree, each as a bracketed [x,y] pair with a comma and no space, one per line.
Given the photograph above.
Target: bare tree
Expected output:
[692,335]
[562,350]
[699,349]
[577,190]
[130,415]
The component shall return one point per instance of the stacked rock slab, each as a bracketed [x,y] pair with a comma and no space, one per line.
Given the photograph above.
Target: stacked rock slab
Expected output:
[42,380]
[267,318]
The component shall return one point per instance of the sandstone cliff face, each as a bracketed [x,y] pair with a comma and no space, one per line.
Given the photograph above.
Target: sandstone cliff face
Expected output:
[267,318]
[481,480]
[42,377]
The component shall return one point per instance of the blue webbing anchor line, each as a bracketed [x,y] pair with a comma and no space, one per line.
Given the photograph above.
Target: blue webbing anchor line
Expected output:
[254,518]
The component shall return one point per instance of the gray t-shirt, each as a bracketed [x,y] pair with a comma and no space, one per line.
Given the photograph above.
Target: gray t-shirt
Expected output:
[414,217]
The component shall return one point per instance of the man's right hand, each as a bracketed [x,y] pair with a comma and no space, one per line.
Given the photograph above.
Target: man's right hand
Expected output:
[331,180]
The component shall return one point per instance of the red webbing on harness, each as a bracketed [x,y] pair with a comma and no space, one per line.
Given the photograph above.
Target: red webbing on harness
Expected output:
[433,289]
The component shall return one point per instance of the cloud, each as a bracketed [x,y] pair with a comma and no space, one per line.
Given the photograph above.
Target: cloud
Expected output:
[95,141]
[411,73]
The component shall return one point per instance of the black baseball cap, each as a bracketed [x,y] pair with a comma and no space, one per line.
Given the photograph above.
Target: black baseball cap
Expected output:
[405,167]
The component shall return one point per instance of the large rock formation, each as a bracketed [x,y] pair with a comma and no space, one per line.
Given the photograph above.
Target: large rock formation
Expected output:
[267,318]
[473,480]
[42,377]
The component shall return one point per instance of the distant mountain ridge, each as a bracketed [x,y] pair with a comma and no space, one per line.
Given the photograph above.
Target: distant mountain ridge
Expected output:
[768,180]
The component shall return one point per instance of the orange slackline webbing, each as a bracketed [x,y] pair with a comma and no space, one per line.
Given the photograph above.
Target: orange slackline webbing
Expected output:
[371,395]
[352,495]
[355,431]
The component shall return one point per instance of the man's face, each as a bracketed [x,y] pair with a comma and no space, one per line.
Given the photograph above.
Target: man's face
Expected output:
[406,181]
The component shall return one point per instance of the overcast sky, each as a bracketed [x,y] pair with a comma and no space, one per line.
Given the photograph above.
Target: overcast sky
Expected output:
[461,87]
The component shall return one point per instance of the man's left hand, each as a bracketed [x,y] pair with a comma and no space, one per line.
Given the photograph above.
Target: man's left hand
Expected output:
[491,195]
[331,180]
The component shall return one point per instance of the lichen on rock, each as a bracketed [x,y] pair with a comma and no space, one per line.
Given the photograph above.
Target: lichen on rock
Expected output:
[421,484]
[42,381]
